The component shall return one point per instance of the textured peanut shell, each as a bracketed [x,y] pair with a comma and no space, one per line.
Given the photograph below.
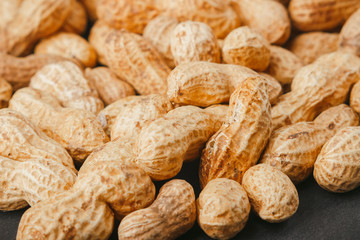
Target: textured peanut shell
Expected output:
[355,97]
[126,117]
[310,15]
[68,45]
[239,142]
[66,82]
[223,208]
[218,14]
[35,19]
[158,32]
[270,18]
[274,88]
[8,10]
[19,70]
[77,130]
[271,193]
[194,41]
[87,210]
[166,142]
[337,166]
[283,64]
[172,214]
[316,87]
[350,34]
[135,59]
[5,93]
[110,87]
[76,21]
[293,149]
[246,47]
[309,46]
[97,39]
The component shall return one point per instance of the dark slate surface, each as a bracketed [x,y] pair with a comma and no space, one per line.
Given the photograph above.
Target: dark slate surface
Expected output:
[321,215]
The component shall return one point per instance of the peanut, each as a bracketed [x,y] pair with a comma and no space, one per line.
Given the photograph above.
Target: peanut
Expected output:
[90,6]
[223,208]
[337,166]
[272,194]
[239,142]
[66,82]
[8,10]
[97,39]
[68,45]
[350,34]
[316,87]
[108,85]
[274,88]
[76,21]
[135,60]
[248,48]
[355,97]
[194,41]
[5,93]
[293,149]
[172,214]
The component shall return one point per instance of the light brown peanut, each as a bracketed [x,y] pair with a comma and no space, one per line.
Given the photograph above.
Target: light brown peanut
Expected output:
[76,21]
[110,87]
[87,210]
[97,39]
[136,60]
[5,93]
[274,88]
[272,194]
[158,32]
[8,10]
[68,45]
[350,34]
[77,130]
[172,214]
[310,46]
[355,97]
[246,47]
[316,87]
[223,208]
[310,15]
[239,142]
[66,82]
[293,149]
[337,166]
[270,18]
[194,41]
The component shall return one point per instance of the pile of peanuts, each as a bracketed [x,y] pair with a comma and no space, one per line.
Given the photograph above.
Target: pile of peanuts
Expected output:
[100,98]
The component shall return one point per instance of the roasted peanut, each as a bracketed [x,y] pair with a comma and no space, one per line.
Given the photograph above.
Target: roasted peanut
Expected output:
[350,34]
[337,166]
[239,142]
[108,85]
[5,93]
[194,41]
[272,194]
[66,82]
[223,208]
[293,149]
[316,87]
[68,45]
[76,21]
[97,39]
[246,47]
[172,214]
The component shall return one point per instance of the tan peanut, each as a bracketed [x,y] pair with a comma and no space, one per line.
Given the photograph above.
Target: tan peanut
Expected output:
[172,214]
[158,32]
[108,85]
[337,166]
[76,21]
[8,10]
[68,45]
[246,47]
[97,39]
[126,117]
[66,82]
[194,41]
[355,97]
[293,149]
[77,130]
[5,93]
[283,64]
[87,210]
[223,208]
[272,194]
[310,46]
[239,142]
[270,18]
[35,19]
[310,15]
[136,60]
[316,87]
[274,88]
[350,34]
[19,70]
